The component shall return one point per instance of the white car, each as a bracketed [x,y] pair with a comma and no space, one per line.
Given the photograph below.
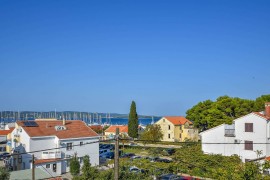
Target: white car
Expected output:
[135,157]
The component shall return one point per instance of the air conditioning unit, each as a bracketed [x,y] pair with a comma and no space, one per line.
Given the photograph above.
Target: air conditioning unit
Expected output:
[68,156]
[237,141]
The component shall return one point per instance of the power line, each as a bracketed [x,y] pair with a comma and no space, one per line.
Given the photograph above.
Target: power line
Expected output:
[185,142]
[30,152]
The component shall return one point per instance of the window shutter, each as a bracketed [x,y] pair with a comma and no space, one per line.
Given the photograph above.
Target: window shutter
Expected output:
[248,127]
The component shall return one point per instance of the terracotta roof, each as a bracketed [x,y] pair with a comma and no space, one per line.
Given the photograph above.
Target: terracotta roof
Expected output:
[262,115]
[42,161]
[122,129]
[267,158]
[6,132]
[96,127]
[74,129]
[177,120]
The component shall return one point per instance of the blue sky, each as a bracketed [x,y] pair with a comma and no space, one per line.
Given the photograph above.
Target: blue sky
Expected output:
[98,56]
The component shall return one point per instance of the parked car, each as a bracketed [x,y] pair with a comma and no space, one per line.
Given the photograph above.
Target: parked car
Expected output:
[152,159]
[135,169]
[136,157]
[4,155]
[111,147]
[163,160]
[170,151]
[127,155]
[132,144]
[103,151]
[170,177]
[108,155]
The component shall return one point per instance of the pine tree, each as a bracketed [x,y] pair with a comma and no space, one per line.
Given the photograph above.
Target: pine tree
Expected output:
[88,172]
[74,166]
[133,121]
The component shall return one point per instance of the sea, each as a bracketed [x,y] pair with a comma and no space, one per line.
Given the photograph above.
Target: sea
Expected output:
[113,121]
[124,121]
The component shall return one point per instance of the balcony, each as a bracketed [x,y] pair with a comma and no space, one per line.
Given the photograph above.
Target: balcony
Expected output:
[229,132]
[51,155]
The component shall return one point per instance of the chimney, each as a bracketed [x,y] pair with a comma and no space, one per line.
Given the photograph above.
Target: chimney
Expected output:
[64,122]
[267,109]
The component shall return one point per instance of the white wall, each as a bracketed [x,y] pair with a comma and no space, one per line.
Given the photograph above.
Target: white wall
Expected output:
[216,135]
[88,149]
[42,143]
[50,170]
[259,135]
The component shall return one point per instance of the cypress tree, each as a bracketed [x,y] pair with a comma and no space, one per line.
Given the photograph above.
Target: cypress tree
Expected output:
[133,121]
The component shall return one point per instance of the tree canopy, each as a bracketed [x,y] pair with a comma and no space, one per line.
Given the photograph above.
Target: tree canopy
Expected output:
[88,172]
[133,121]
[74,166]
[225,109]
[152,133]
[4,174]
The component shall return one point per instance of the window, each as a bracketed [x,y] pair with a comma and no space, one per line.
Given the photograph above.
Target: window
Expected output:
[249,145]
[69,146]
[80,159]
[169,136]
[48,165]
[169,127]
[180,135]
[180,127]
[81,143]
[163,120]
[248,127]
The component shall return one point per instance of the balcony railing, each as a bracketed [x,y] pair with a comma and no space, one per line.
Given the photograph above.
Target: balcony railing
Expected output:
[229,132]
[51,155]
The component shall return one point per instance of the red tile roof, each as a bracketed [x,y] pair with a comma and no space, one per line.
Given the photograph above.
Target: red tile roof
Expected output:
[74,129]
[6,132]
[42,161]
[96,127]
[122,129]
[177,120]
[262,115]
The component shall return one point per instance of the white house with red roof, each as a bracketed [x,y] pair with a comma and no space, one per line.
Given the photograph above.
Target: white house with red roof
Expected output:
[177,129]
[53,143]
[247,136]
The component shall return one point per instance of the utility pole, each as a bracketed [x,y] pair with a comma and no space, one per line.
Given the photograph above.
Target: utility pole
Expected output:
[116,155]
[33,167]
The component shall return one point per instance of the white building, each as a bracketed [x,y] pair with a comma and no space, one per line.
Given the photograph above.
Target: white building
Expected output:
[53,143]
[247,136]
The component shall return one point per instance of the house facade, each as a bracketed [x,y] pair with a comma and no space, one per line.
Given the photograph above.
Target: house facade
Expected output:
[123,130]
[177,129]
[246,137]
[110,131]
[53,143]
[4,136]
